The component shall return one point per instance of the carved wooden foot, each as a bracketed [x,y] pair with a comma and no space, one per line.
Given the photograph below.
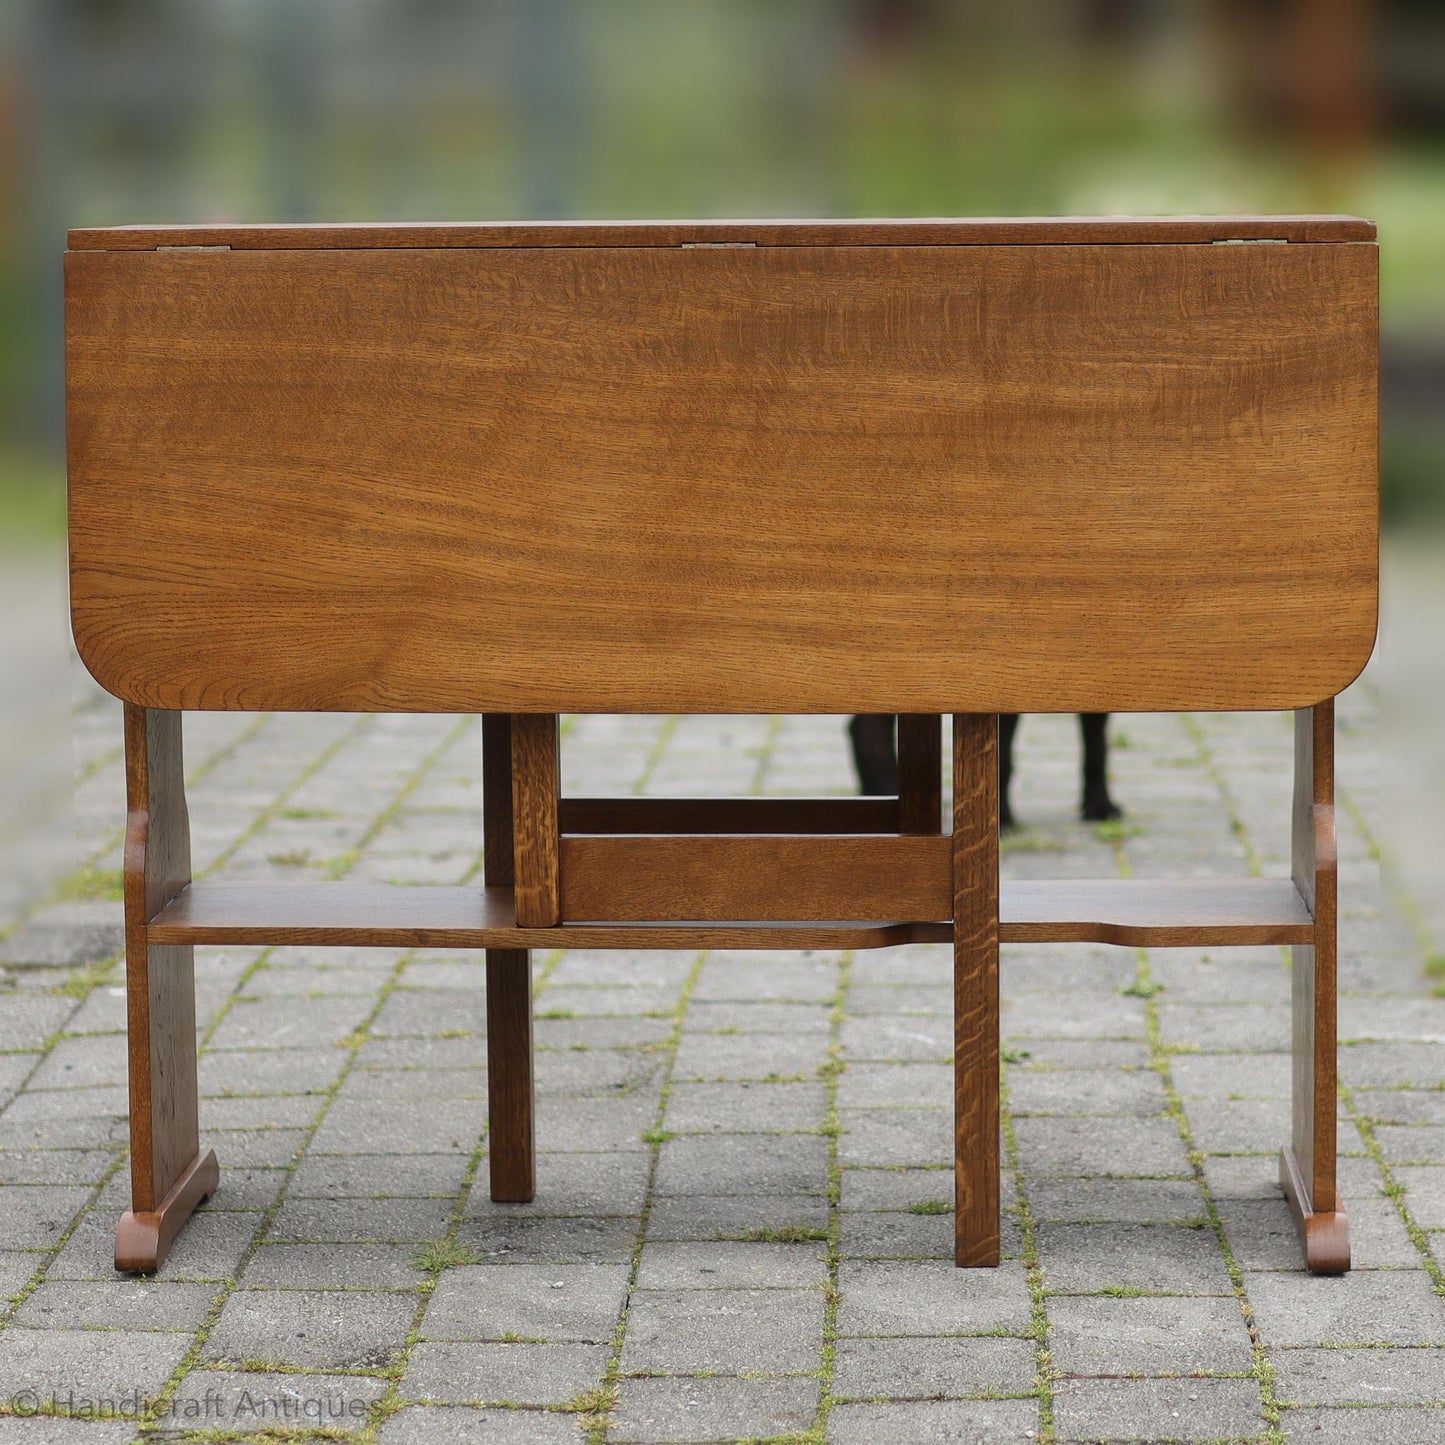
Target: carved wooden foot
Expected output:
[142,1240]
[1325,1236]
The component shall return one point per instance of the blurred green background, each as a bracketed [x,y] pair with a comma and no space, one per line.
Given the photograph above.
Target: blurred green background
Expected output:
[115,111]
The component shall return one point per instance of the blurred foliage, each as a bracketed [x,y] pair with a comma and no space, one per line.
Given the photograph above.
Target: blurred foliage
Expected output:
[136,110]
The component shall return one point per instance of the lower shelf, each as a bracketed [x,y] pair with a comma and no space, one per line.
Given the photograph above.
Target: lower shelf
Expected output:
[1152,913]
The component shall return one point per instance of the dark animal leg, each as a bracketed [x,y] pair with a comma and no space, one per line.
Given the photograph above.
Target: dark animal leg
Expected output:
[874,754]
[1098,805]
[875,757]
[1008,725]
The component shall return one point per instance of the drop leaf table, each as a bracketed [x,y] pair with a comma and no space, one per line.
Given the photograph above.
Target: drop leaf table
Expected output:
[918,468]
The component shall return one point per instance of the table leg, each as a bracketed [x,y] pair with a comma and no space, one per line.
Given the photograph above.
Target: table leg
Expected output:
[510,1109]
[975,989]
[1307,1166]
[170,1174]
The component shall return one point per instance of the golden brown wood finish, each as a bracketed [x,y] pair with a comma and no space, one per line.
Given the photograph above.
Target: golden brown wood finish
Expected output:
[350,915]
[975,989]
[765,877]
[501,469]
[729,815]
[1154,912]
[143,1237]
[1141,913]
[511,479]
[169,1173]
[536,788]
[999,231]
[920,773]
[1307,1167]
[511,1114]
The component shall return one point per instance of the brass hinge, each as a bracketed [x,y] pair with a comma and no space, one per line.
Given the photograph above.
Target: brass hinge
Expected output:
[719,245]
[193,248]
[1253,241]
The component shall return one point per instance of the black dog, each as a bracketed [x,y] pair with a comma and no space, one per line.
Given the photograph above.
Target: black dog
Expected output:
[875,756]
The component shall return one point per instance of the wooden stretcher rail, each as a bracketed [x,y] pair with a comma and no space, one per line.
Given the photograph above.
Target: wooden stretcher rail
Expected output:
[1153,913]
[730,815]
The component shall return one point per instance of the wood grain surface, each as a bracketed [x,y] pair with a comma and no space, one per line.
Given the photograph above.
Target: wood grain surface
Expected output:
[922,231]
[976,1071]
[536,791]
[160,987]
[1313,965]
[801,478]
[868,877]
[1143,913]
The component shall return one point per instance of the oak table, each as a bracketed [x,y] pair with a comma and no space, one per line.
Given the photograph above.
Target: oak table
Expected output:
[925,467]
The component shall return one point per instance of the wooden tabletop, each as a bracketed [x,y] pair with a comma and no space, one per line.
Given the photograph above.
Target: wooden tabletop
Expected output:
[917,231]
[901,470]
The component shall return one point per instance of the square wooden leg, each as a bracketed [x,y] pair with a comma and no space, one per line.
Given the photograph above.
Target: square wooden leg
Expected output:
[510,1108]
[975,989]
[509,1075]
[170,1173]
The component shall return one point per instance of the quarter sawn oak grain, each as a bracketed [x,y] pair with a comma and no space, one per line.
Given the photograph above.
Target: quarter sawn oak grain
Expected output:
[912,479]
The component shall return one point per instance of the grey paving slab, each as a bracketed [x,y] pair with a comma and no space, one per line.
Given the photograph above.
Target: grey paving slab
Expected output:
[37,1215]
[874,1189]
[1424,1193]
[1158,1410]
[1364,1307]
[332,1265]
[325,1329]
[873,1086]
[64,1365]
[220,1399]
[742,1108]
[554,1302]
[1395,1376]
[736,1216]
[724,1331]
[906,1368]
[691,1409]
[465,1425]
[59,1431]
[367,1176]
[927,1298]
[1098,1335]
[752,1164]
[398,1127]
[16,1269]
[980,1422]
[522,1374]
[1085,1091]
[731,1265]
[1363,1427]
[577,1184]
[1117,1147]
[118,1304]
[873,1138]
[542,1239]
[360,1219]
[1160,1259]
[1126,1201]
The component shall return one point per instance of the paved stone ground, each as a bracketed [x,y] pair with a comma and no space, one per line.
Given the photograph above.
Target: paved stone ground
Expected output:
[741,1226]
